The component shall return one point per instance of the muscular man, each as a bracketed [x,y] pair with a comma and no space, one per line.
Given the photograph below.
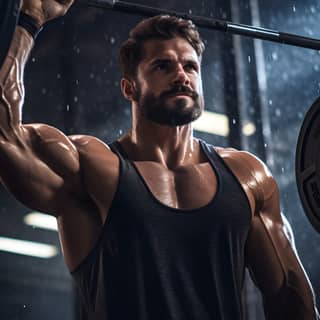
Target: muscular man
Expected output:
[159,225]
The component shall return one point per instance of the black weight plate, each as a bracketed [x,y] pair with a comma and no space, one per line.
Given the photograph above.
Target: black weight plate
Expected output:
[308,164]
[9,12]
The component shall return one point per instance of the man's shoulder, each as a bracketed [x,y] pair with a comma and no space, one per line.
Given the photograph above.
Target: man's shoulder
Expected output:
[85,142]
[92,147]
[251,171]
[243,158]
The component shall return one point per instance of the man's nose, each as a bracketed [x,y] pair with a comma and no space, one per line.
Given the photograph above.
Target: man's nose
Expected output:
[181,77]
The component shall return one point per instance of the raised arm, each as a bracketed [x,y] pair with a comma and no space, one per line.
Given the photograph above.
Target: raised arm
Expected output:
[271,255]
[37,162]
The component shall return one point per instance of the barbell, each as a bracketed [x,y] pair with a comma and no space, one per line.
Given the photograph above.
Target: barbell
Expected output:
[307,155]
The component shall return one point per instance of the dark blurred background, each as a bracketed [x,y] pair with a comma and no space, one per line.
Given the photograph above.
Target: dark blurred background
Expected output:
[256,93]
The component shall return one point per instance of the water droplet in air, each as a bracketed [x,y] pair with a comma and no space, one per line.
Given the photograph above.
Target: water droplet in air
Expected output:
[274,56]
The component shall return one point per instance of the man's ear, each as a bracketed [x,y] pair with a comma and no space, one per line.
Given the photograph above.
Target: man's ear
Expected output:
[128,89]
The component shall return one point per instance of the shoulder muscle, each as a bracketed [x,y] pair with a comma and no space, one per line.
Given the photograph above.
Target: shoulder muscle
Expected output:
[253,174]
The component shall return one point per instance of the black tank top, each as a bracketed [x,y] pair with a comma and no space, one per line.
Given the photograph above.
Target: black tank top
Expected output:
[154,262]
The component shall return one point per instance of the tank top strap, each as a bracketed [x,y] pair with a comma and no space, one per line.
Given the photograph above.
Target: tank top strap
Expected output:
[125,164]
[226,176]
[213,155]
[224,173]
[210,151]
[116,147]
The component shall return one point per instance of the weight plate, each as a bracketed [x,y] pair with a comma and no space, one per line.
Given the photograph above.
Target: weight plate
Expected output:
[308,164]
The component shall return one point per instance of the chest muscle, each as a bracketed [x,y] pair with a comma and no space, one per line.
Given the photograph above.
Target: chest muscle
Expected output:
[187,187]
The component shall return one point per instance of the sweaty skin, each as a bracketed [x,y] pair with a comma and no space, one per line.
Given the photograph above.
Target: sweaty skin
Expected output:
[74,178]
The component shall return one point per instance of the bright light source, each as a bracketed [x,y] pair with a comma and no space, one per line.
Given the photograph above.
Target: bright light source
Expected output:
[218,123]
[41,220]
[28,248]
[249,129]
[214,123]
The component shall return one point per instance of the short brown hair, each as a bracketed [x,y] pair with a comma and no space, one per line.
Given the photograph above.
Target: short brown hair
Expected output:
[163,27]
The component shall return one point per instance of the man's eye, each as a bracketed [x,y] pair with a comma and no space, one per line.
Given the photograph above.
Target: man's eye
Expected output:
[161,66]
[190,67]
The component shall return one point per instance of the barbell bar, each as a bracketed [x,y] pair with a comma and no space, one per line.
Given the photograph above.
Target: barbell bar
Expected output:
[210,23]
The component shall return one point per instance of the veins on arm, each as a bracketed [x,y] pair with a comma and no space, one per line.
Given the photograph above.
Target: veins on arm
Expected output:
[12,88]
[38,163]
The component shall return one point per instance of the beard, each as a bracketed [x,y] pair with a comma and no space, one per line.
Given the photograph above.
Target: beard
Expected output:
[178,112]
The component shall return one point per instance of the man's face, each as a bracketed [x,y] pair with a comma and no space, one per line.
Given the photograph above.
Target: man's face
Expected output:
[168,83]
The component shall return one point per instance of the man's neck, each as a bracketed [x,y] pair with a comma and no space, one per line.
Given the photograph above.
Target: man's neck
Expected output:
[170,146]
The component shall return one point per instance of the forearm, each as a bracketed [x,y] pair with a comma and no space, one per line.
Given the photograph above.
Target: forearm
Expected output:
[11,85]
[291,303]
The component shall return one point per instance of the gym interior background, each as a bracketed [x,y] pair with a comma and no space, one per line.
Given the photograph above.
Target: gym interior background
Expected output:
[256,94]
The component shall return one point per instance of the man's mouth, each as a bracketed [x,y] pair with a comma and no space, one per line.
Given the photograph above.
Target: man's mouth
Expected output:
[180,93]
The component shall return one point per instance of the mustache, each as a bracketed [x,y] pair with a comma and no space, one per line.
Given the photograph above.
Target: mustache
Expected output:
[179,89]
